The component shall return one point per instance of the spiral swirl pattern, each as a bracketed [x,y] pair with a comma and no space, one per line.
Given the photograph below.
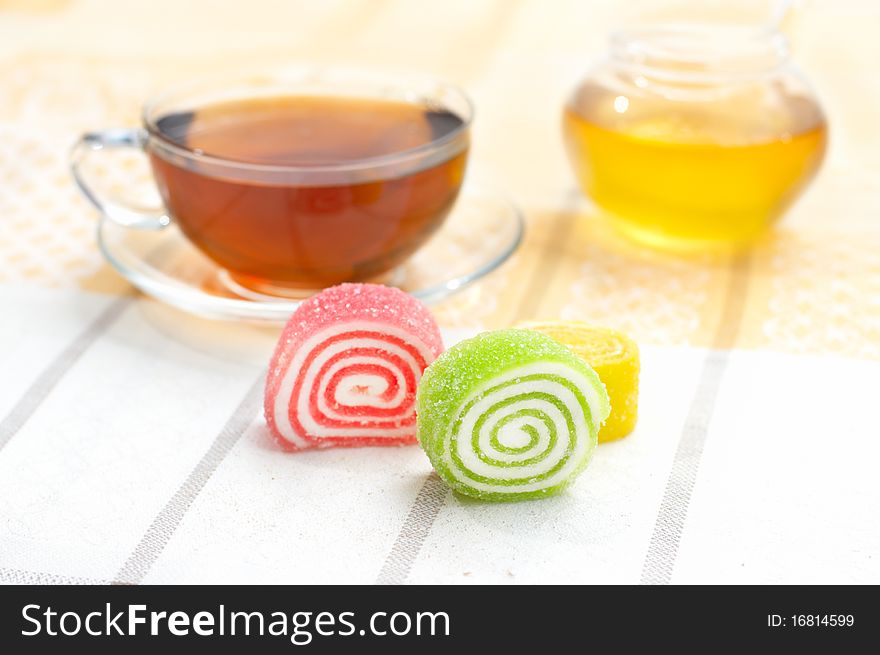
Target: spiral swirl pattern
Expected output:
[351,382]
[529,431]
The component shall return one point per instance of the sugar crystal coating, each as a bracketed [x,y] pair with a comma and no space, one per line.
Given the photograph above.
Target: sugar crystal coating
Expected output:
[510,415]
[346,368]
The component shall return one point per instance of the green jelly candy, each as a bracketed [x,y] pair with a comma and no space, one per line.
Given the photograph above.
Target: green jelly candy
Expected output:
[510,415]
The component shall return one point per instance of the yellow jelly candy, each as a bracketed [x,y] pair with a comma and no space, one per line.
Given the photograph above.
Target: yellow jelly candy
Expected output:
[614,356]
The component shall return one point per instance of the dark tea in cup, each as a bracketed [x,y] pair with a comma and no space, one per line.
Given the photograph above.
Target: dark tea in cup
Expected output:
[298,232]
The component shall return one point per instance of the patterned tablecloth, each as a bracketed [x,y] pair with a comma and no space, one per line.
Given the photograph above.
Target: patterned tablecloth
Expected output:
[131,443]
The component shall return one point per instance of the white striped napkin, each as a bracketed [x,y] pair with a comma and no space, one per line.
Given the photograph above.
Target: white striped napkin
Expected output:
[133,450]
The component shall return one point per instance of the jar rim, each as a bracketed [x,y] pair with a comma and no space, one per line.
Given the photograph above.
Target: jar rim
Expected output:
[700,53]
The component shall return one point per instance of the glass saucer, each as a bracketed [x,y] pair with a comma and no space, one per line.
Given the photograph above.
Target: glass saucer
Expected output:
[483,229]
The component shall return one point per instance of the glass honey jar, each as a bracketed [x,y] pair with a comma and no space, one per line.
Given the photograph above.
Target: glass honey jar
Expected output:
[689,137]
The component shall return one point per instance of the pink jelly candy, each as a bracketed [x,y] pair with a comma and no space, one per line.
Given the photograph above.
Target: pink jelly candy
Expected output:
[346,368]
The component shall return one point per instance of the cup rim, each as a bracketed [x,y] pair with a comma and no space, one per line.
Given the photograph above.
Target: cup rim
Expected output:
[387,79]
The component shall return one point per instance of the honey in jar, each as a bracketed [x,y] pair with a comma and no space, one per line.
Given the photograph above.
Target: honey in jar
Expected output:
[687,138]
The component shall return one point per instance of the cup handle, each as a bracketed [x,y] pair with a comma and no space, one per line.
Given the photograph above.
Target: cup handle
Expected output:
[127,216]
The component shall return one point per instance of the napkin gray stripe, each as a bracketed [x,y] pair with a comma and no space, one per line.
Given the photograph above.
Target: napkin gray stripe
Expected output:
[669,525]
[663,549]
[20,576]
[433,494]
[40,389]
[416,527]
[169,518]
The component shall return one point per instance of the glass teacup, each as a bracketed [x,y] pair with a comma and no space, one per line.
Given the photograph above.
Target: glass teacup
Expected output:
[298,179]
